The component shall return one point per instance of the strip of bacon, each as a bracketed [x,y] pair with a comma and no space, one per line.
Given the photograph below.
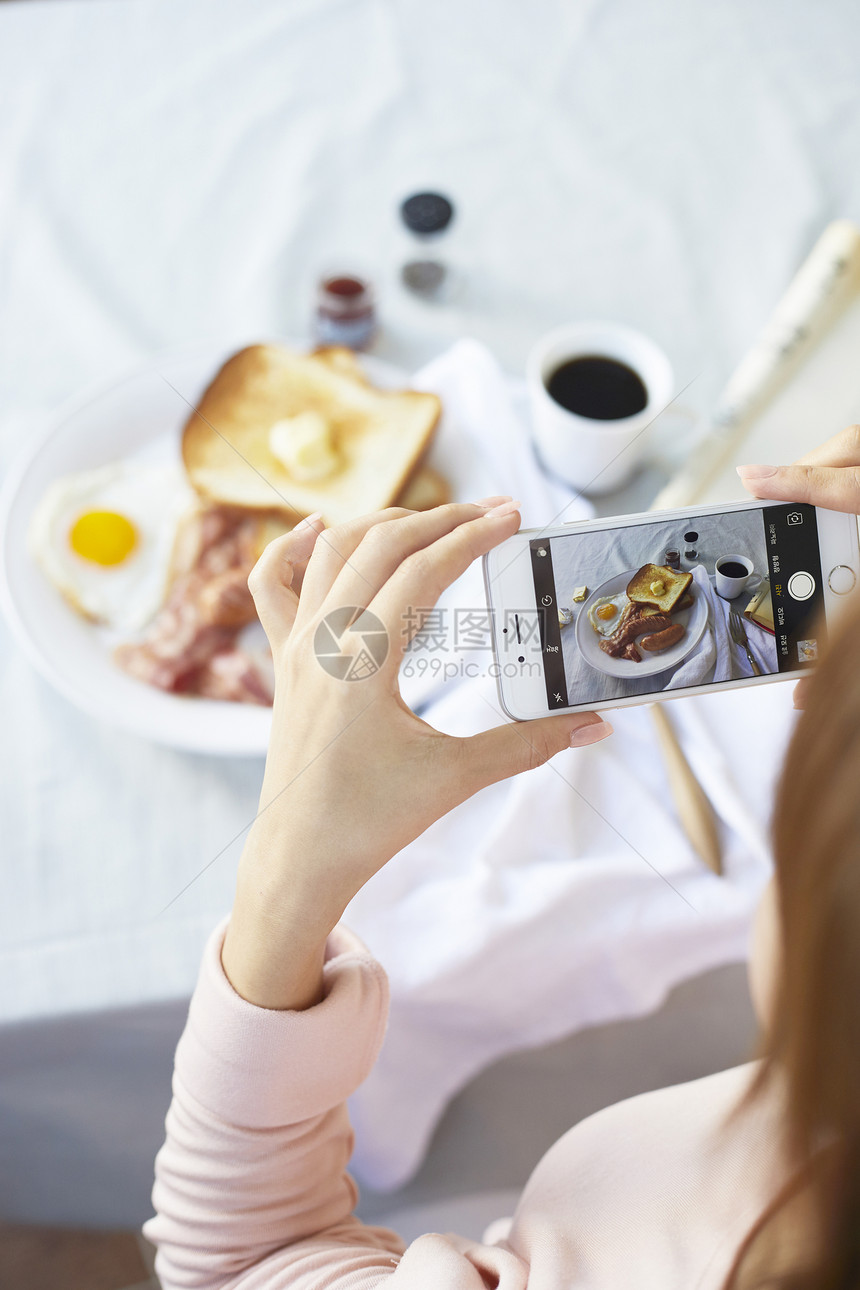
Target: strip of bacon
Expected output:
[190,646]
[231,675]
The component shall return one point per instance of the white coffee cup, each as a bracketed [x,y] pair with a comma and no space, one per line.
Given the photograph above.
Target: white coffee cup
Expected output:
[728,587]
[594,456]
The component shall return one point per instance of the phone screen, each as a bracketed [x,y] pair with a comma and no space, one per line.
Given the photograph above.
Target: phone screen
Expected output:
[666,604]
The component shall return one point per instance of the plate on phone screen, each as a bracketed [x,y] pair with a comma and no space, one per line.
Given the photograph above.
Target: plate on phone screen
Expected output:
[694,620]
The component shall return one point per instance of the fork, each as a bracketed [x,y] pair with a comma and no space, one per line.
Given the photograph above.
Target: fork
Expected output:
[739,636]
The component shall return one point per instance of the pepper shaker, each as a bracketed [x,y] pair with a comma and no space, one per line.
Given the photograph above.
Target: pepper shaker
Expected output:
[426,271]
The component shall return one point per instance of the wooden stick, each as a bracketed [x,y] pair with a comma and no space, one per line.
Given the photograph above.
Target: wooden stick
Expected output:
[697,815]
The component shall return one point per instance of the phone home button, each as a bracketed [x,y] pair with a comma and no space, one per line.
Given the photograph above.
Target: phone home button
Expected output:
[842,580]
[801,585]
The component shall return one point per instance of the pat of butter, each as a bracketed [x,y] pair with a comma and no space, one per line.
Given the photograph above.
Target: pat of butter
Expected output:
[580,593]
[657,588]
[304,446]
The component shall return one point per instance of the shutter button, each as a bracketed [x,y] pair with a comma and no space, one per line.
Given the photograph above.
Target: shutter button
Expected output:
[801,586]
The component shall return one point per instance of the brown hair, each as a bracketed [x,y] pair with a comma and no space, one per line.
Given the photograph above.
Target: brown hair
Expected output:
[812,1039]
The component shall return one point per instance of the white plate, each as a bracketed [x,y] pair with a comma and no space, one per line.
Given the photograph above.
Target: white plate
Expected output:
[695,620]
[140,414]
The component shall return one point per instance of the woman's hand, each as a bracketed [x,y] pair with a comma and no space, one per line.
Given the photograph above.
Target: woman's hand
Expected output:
[828,476]
[352,774]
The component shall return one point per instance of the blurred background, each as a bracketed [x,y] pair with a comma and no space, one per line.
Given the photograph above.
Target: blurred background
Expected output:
[182,173]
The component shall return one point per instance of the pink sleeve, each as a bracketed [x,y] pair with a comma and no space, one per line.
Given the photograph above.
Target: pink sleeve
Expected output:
[251,1190]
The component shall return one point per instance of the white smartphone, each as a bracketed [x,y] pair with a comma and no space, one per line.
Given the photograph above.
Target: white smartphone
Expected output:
[613,612]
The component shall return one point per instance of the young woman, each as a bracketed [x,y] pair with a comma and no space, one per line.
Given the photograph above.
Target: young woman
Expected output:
[747,1178]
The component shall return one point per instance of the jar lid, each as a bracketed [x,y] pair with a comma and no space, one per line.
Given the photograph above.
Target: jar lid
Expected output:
[344,293]
[426,212]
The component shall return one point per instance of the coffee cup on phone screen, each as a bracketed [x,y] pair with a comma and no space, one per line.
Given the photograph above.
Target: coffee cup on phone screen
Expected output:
[594,388]
[733,572]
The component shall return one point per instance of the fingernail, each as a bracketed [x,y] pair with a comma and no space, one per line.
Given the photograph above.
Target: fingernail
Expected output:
[757,472]
[495,500]
[505,508]
[309,520]
[591,734]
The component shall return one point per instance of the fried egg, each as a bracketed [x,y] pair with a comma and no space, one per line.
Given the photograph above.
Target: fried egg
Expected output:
[104,538]
[605,613]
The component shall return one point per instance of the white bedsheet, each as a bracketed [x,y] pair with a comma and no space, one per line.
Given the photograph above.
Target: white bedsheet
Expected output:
[180,169]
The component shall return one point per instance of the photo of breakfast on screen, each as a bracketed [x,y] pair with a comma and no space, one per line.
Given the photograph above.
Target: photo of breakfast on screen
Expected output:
[640,619]
[663,605]
[156,554]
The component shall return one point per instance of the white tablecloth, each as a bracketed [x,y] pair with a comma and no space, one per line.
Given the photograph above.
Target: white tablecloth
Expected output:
[181,169]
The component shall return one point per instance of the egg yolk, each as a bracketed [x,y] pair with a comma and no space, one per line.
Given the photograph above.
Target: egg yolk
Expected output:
[104,537]
[605,612]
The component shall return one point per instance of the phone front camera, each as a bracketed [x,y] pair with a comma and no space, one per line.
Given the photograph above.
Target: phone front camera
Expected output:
[521,658]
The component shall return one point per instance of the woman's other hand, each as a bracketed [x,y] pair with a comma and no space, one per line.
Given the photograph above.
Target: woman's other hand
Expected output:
[352,775]
[828,476]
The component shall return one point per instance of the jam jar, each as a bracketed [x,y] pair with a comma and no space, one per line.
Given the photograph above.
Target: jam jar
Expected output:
[345,311]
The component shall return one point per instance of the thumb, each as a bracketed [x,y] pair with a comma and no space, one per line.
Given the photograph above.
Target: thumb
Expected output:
[272,579]
[522,745]
[835,487]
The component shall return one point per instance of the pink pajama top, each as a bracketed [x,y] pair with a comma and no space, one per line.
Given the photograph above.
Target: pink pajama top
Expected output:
[252,1191]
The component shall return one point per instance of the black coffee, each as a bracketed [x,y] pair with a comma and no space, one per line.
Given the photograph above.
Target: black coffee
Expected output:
[732,569]
[597,387]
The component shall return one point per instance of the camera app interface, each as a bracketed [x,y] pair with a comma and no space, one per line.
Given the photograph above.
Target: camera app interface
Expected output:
[664,605]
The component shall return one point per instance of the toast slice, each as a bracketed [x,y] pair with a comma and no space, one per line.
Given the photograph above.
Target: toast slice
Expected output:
[374,439]
[658,585]
[343,360]
[424,490]
[425,487]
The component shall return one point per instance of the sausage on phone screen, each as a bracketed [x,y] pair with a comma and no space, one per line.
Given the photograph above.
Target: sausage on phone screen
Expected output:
[658,641]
